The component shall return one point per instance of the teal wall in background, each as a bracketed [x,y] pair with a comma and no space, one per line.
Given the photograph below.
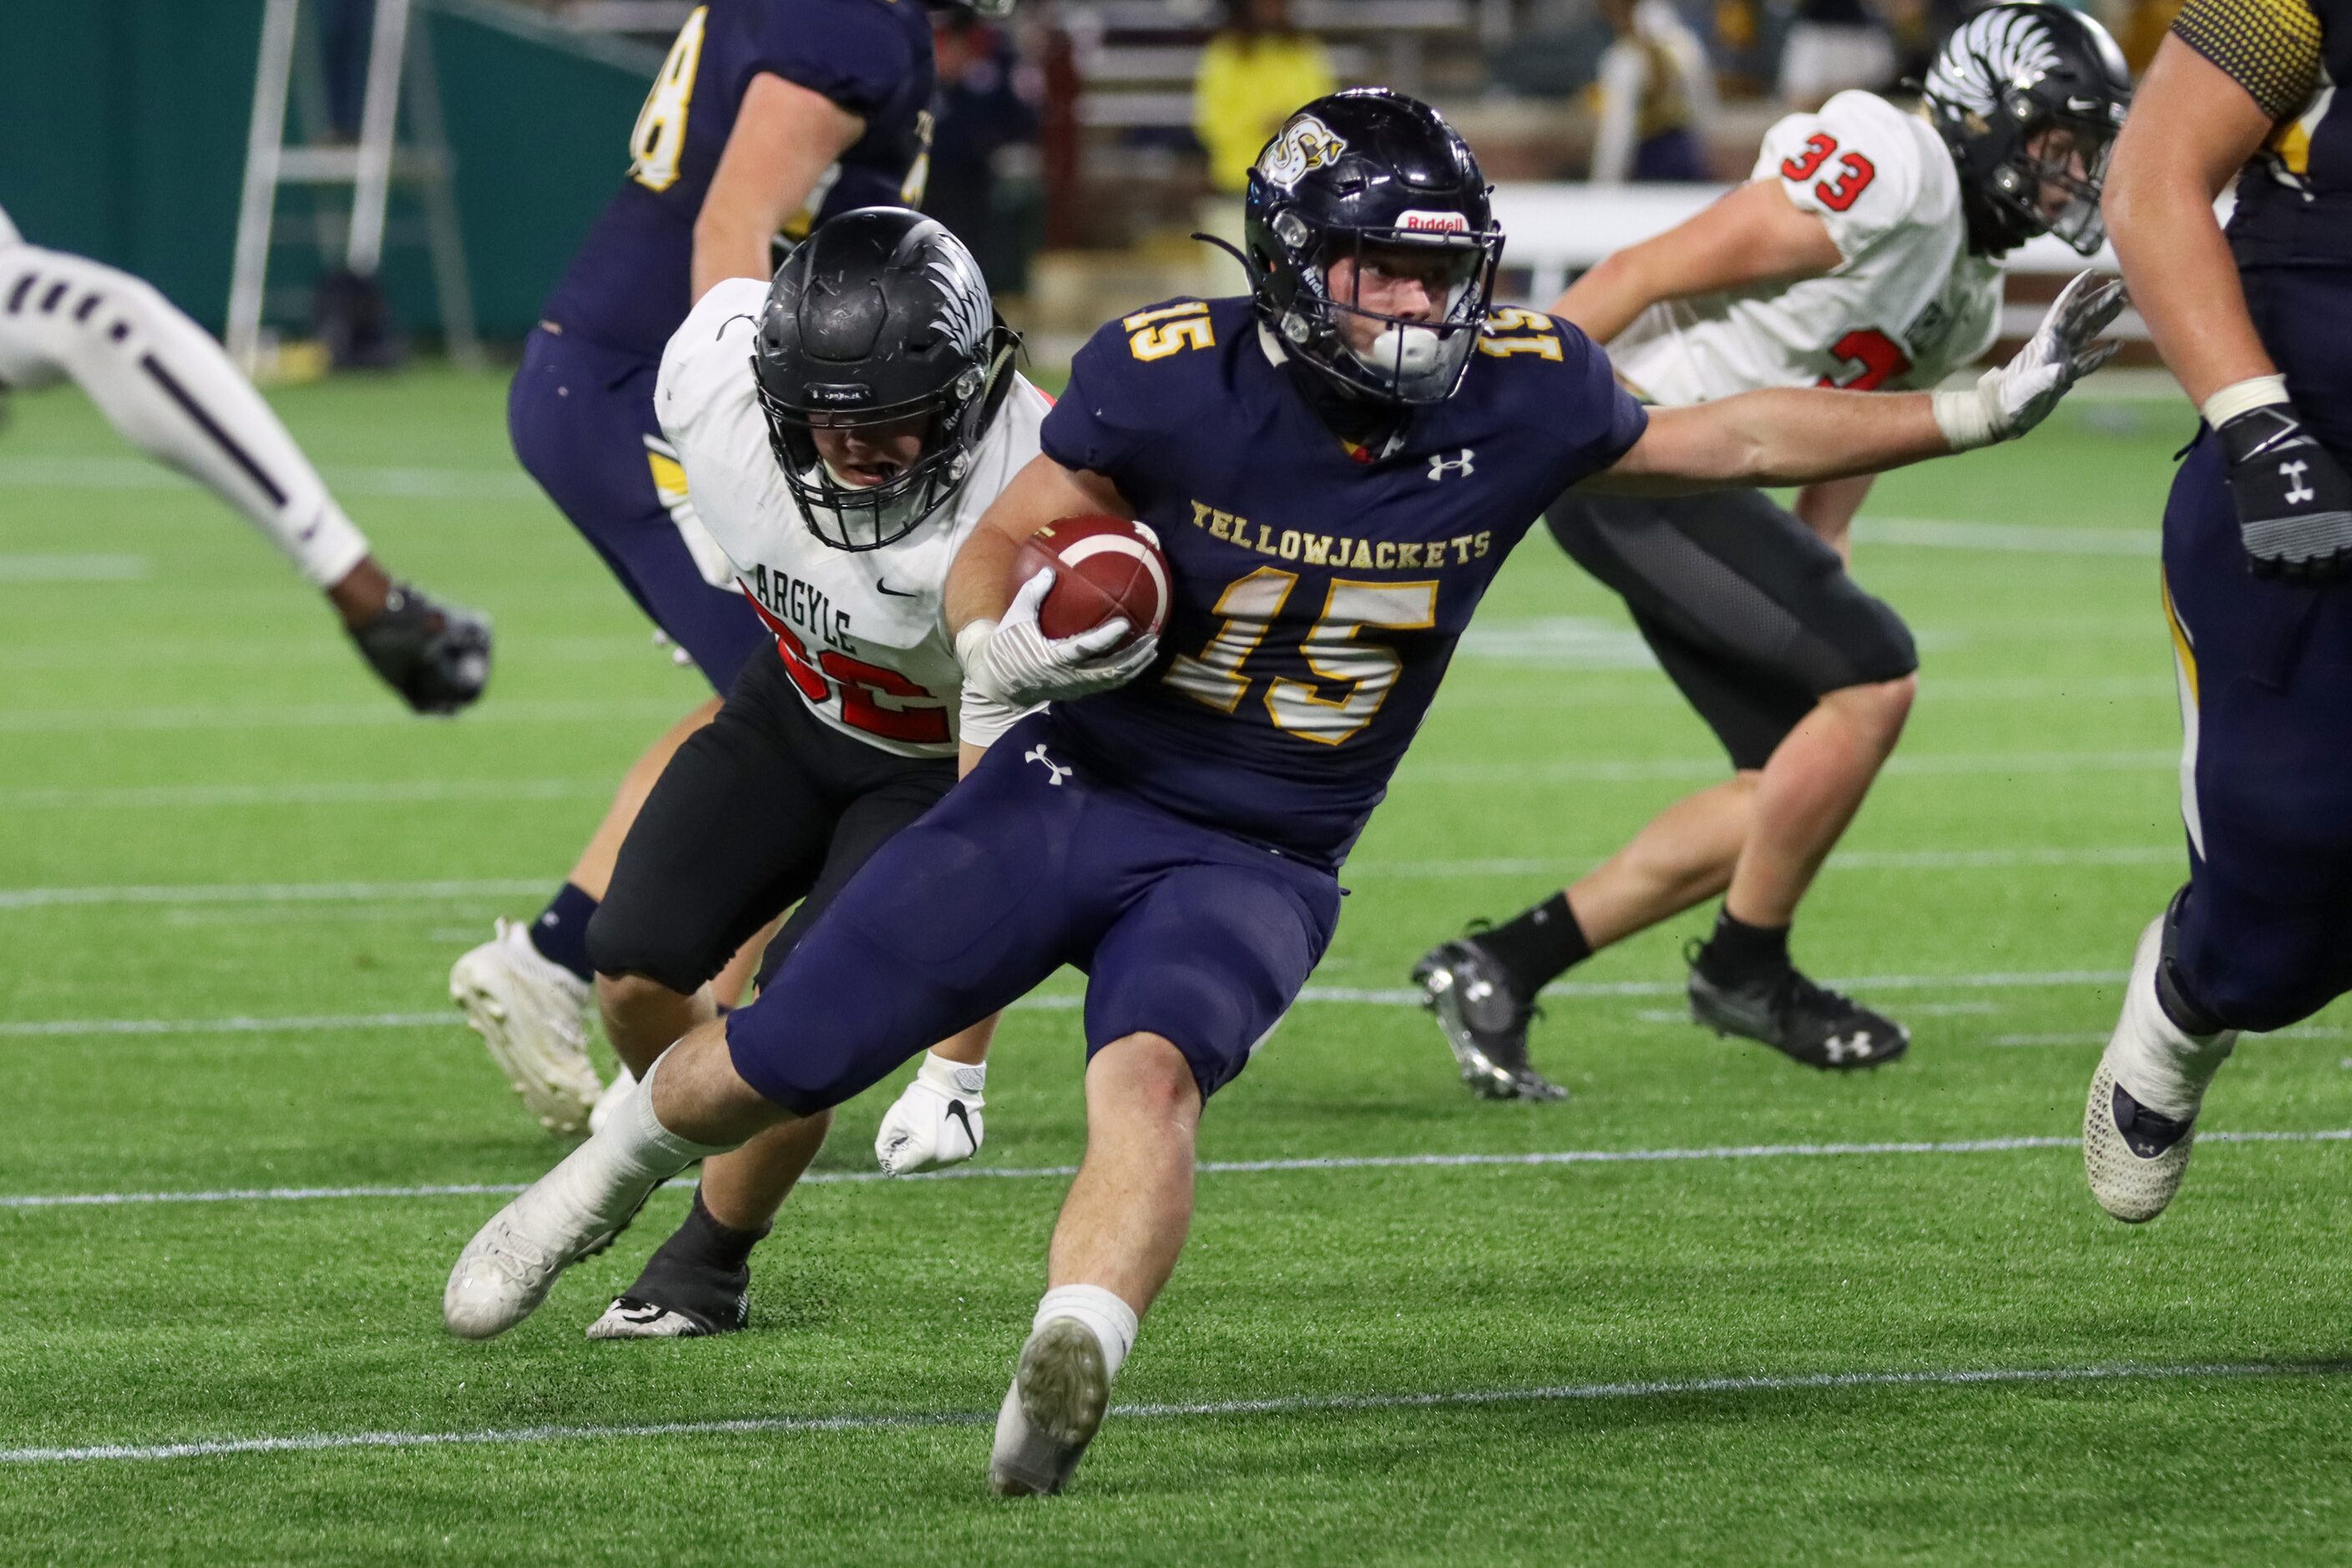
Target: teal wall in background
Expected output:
[122,127]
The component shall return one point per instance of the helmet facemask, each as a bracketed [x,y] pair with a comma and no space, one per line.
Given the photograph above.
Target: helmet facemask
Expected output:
[2053,181]
[848,515]
[1408,359]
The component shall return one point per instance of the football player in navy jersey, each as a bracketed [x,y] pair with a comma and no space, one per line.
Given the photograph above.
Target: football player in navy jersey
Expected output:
[2257,324]
[1336,466]
[766,117]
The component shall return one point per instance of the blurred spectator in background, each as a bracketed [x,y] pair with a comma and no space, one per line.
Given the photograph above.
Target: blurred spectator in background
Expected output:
[1256,68]
[1653,99]
[983,154]
[1833,45]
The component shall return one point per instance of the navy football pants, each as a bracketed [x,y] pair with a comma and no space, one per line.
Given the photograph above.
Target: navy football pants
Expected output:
[1027,865]
[580,415]
[2266,774]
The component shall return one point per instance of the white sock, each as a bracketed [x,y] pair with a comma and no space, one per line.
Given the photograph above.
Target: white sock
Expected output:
[168,389]
[634,1144]
[1112,1321]
[2158,1063]
[957,1080]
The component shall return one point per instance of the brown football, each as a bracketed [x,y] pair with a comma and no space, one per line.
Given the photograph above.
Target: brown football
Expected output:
[1104,567]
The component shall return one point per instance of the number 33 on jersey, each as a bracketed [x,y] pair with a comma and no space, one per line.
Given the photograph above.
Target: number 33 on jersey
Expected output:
[1907,305]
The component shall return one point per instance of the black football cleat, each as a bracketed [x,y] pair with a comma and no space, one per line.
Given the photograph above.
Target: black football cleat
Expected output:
[1484,1020]
[1804,1022]
[675,1301]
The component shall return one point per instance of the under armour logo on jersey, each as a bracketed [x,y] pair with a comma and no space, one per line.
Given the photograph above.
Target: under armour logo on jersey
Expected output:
[1441,466]
[2297,491]
[1056,773]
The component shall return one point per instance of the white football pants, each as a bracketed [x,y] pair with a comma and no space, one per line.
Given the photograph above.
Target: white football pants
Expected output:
[169,389]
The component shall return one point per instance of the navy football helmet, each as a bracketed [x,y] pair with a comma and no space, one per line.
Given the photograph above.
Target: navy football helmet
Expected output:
[880,317]
[2029,98]
[1371,172]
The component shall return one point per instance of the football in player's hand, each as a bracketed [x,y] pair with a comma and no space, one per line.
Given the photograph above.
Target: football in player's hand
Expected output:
[1104,567]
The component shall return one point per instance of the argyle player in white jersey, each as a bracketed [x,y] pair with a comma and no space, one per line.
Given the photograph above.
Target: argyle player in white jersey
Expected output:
[1863,253]
[842,429]
[167,388]
[1906,303]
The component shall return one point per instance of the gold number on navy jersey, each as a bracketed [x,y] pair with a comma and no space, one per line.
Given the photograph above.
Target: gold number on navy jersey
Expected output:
[1513,330]
[1156,335]
[1333,649]
[658,142]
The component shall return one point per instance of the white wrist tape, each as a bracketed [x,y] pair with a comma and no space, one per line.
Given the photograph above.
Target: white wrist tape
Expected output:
[971,639]
[1965,419]
[2242,397]
[957,1080]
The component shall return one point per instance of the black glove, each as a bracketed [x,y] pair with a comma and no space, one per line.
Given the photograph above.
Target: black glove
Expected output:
[2294,499]
[435,655]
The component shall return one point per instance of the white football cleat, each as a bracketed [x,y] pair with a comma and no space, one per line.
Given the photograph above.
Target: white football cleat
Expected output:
[1051,1413]
[603,1110]
[573,1211]
[533,1016]
[2134,1152]
[936,1121]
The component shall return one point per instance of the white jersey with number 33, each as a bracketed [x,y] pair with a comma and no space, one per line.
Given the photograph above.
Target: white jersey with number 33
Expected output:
[862,631]
[1907,306]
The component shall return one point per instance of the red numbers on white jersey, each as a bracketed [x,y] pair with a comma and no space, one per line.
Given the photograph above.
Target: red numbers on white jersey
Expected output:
[1877,358]
[1856,172]
[860,686]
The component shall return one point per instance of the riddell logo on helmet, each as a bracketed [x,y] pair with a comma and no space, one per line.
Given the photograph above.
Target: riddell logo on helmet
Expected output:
[1433,223]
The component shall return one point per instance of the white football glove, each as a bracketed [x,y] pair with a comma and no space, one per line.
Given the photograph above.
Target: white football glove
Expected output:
[936,1122]
[1014,662]
[2009,401]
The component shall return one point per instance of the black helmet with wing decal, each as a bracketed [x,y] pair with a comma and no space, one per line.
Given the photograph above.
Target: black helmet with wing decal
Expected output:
[880,319]
[2029,98]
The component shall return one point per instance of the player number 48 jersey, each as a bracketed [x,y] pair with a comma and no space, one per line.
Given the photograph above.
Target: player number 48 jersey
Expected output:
[860,631]
[1907,306]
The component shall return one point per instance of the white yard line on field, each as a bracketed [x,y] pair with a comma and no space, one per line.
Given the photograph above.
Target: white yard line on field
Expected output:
[1294,1405]
[379,792]
[1596,770]
[1844,860]
[372,712]
[130,474]
[1207,1167]
[1053,1002]
[2007,538]
[269,892]
[73,568]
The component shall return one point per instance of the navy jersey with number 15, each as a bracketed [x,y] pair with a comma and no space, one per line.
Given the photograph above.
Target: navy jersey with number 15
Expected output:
[1318,591]
[630,285]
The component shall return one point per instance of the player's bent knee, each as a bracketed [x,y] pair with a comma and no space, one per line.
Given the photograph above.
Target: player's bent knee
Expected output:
[627,996]
[622,947]
[1881,708]
[1148,1075]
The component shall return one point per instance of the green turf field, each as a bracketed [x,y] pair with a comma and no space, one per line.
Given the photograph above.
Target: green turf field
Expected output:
[1863,1318]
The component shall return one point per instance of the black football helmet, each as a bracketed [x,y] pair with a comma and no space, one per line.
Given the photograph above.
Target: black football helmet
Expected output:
[1363,169]
[880,316]
[2013,76]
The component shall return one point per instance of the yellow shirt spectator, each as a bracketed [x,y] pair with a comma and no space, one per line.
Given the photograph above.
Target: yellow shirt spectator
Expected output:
[1251,79]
